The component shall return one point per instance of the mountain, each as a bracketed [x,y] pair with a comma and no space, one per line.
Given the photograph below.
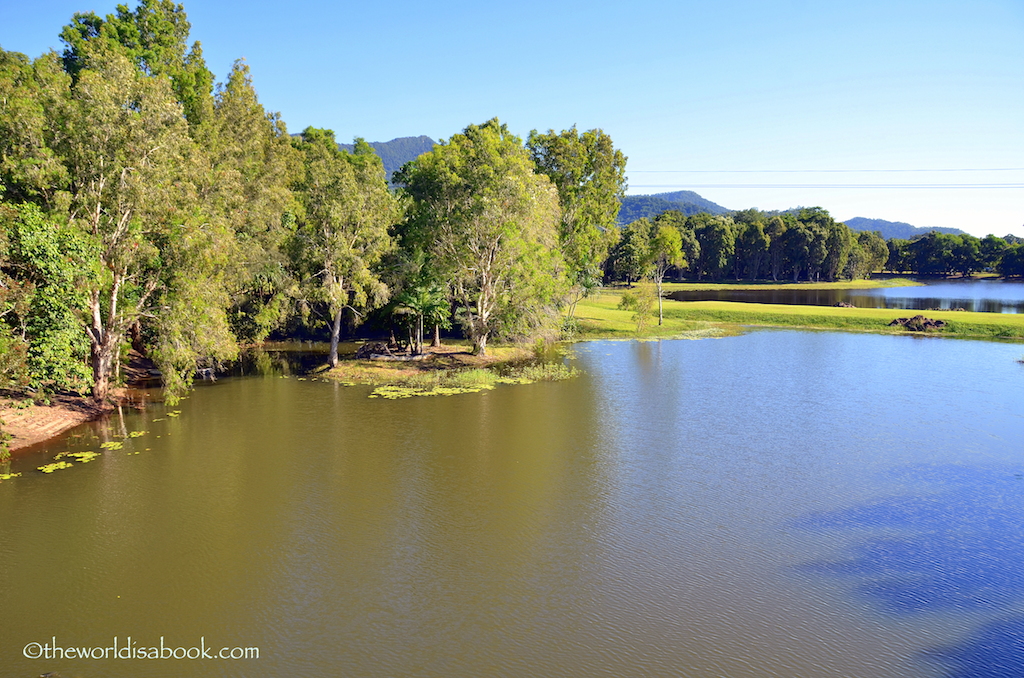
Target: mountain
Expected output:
[894,229]
[397,152]
[636,206]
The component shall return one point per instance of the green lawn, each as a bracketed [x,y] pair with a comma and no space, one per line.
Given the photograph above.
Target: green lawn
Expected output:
[598,317]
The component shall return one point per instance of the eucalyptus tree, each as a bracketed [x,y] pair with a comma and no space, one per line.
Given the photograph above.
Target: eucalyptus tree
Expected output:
[154,37]
[246,183]
[589,173]
[666,252]
[490,224]
[687,239]
[346,211]
[125,144]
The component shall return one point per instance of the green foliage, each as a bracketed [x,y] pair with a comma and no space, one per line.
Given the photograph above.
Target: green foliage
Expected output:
[489,225]
[641,302]
[46,255]
[589,174]
[30,170]
[246,184]
[343,231]
[631,257]
[154,38]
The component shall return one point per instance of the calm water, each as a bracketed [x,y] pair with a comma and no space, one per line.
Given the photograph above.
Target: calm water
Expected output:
[988,296]
[779,504]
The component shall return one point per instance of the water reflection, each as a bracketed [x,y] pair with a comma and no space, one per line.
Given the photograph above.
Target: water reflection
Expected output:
[988,296]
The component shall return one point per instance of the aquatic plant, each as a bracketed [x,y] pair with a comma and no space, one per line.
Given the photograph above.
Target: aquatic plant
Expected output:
[83,457]
[56,466]
[112,445]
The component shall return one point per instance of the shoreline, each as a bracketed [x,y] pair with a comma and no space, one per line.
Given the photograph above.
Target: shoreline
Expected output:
[597,318]
[32,424]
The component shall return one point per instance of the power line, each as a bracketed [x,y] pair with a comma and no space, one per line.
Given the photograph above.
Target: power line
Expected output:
[837,186]
[825,171]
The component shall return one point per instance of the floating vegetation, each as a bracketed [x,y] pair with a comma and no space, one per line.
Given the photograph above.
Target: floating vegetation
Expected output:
[56,466]
[161,419]
[172,414]
[112,445]
[396,392]
[473,380]
[136,434]
[83,457]
[8,476]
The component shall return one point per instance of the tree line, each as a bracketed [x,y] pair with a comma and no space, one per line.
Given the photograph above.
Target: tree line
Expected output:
[807,244]
[144,207]
[802,245]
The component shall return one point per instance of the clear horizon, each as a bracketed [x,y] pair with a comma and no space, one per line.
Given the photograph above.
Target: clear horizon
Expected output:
[904,111]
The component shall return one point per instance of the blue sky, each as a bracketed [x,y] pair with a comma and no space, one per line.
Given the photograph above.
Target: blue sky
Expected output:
[698,95]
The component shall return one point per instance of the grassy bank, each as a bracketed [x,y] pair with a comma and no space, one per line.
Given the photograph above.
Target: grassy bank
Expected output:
[599,317]
[874,283]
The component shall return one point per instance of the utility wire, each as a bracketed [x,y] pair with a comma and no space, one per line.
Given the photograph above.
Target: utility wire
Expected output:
[855,186]
[823,171]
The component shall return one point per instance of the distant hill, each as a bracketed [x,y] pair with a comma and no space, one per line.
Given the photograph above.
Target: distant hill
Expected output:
[895,229]
[636,206]
[397,152]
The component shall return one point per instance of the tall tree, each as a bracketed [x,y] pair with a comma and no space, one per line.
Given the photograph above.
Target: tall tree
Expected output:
[154,37]
[492,227]
[343,227]
[123,140]
[246,184]
[589,173]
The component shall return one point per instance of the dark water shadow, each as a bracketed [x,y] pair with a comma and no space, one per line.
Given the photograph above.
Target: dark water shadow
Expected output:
[995,651]
[957,546]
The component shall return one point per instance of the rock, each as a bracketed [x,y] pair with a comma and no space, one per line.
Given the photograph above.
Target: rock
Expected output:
[845,304]
[918,323]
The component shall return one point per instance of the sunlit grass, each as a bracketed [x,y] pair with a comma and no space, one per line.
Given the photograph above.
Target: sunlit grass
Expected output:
[599,317]
[448,373]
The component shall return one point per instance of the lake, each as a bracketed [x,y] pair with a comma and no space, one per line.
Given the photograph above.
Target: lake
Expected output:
[795,504]
[988,296]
